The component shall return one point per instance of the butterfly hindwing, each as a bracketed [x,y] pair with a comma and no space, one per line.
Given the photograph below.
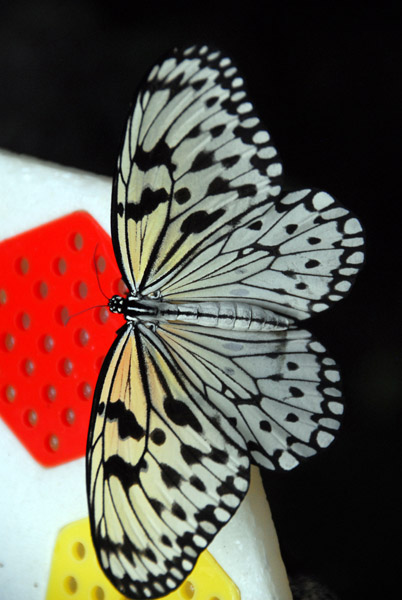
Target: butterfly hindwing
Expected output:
[151,516]
[195,157]
[279,390]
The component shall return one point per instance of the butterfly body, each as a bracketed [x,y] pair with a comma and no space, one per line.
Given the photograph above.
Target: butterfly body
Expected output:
[223,315]
[211,372]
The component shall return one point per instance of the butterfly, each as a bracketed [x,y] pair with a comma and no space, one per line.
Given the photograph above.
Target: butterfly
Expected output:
[211,371]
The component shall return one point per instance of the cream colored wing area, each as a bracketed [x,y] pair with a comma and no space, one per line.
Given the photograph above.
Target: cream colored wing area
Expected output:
[279,390]
[141,202]
[163,474]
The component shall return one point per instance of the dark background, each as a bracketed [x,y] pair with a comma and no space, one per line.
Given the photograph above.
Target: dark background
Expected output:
[325,78]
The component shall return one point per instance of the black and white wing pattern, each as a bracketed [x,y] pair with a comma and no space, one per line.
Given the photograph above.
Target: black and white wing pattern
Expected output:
[195,159]
[165,473]
[180,410]
[279,390]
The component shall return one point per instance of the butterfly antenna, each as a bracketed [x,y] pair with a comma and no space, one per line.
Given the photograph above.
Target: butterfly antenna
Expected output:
[97,275]
[66,320]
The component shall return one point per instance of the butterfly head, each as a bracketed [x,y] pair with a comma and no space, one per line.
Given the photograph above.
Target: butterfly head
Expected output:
[116,304]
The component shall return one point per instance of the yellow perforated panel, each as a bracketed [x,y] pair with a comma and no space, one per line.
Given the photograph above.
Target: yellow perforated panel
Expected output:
[76,575]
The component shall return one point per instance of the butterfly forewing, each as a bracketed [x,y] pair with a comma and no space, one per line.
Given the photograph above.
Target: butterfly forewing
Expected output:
[195,158]
[294,257]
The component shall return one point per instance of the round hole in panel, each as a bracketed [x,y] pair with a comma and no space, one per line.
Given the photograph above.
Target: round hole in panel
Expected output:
[9,342]
[41,290]
[60,266]
[122,289]
[79,551]
[188,589]
[24,321]
[62,315]
[102,315]
[53,442]
[66,367]
[77,241]
[47,343]
[69,416]
[100,263]
[50,393]
[31,417]
[28,367]
[81,290]
[85,390]
[97,593]
[22,265]
[70,585]
[82,337]
[10,393]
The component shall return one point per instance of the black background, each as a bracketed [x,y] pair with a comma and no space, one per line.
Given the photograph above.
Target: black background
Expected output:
[325,78]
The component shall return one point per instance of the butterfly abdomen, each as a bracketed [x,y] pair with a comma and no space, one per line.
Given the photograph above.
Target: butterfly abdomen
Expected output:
[223,315]
[241,316]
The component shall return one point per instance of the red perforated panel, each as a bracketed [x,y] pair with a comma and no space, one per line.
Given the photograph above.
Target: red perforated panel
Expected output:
[48,367]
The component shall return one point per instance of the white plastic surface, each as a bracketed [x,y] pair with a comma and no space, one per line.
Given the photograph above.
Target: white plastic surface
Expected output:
[36,502]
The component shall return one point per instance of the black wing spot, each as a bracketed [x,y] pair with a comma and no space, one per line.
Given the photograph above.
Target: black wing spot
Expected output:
[128,474]
[150,200]
[248,190]
[202,161]
[256,226]
[219,456]
[265,426]
[292,418]
[291,228]
[217,130]
[182,196]
[178,412]
[160,154]
[194,132]
[313,241]
[170,477]
[198,85]
[197,483]
[211,101]
[158,437]
[165,541]
[218,186]
[191,455]
[150,555]
[230,161]
[311,264]
[296,392]
[200,220]
[128,425]
[156,505]
[178,512]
